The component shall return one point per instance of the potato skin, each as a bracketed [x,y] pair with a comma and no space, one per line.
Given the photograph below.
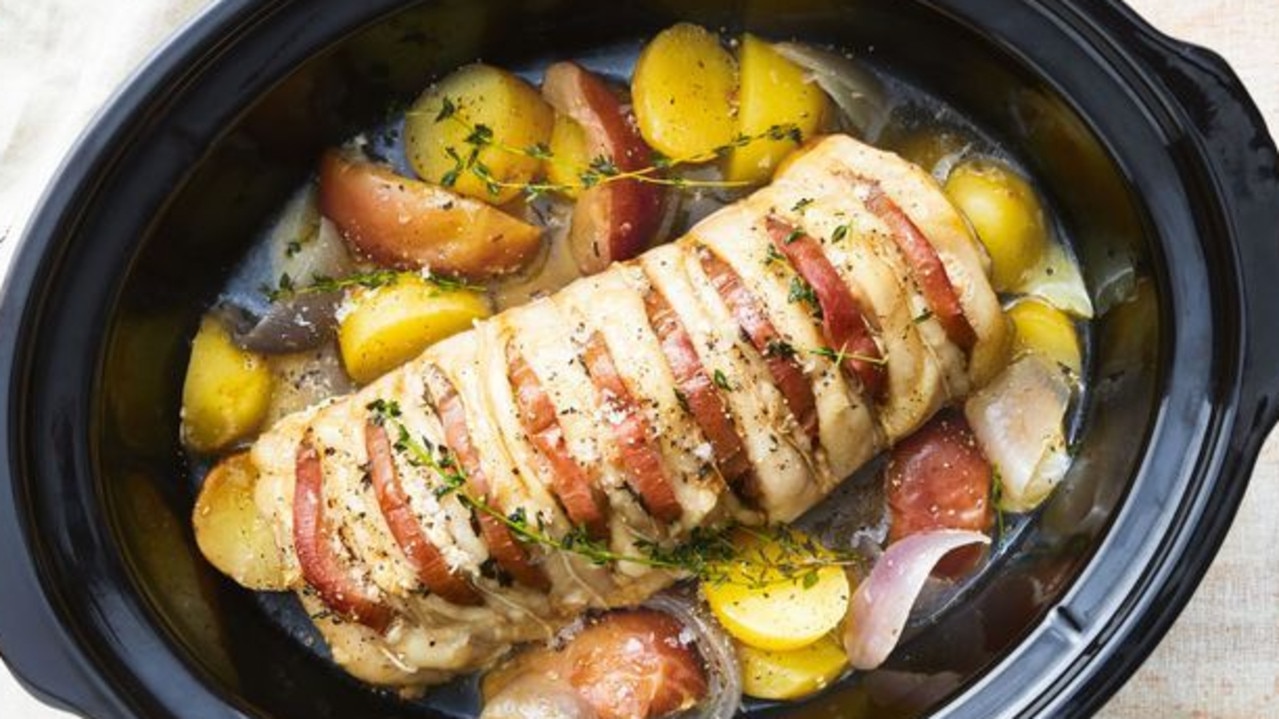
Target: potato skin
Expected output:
[1005,212]
[773,92]
[791,674]
[226,392]
[482,95]
[388,326]
[682,90]
[1047,330]
[231,533]
[403,223]
[614,220]
[571,155]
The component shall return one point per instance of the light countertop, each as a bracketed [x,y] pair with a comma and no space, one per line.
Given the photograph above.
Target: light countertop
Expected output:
[60,59]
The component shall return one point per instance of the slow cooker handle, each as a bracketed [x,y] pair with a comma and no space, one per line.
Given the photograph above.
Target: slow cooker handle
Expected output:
[1244,178]
[37,647]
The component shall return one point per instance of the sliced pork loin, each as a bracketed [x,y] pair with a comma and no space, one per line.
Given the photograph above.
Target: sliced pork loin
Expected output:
[697,385]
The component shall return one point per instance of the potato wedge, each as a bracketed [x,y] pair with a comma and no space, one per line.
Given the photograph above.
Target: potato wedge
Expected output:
[1005,212]
[774,92]
[613,220]
[1047,330]
[231,533]
[477,95]
[385,327]
[226,392]
[570,153]
[682,90]
[403,223]
[760,606]
[791,674]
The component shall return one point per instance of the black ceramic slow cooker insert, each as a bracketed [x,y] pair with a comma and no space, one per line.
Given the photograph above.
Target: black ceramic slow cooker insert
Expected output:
[1158,162]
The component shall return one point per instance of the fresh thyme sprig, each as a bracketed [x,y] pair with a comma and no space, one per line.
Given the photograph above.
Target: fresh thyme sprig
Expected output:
[709,554]
[288,288]
[838,356]
[801,291]
[600,170]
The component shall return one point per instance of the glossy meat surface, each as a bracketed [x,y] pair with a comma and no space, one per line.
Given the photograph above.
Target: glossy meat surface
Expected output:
[622,418]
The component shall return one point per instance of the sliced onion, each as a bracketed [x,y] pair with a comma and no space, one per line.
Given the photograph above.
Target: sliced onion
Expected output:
[1056,279]
[857,92]
[724,678]
[302,245]
[1017,420]
[882,602]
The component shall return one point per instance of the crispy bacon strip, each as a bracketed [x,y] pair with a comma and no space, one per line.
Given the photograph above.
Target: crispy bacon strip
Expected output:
[846,327]
[926,266]
[785,369]
[511,556]
[321,567]
[640,456]
[432,570]
[581,499]
[701,397]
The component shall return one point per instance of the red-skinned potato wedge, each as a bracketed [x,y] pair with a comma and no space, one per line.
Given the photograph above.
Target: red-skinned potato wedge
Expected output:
[926,266]
[510,555]
[633,664]
[938,478]
[846,327]
[432,569]
[583,502]
[399,222]
[779,356]
[641,459]
[702,398]
[321,567]
[629,664]
[615,220]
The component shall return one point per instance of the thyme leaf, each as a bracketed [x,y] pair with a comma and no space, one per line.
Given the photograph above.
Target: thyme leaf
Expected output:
[287,288]
[711,554]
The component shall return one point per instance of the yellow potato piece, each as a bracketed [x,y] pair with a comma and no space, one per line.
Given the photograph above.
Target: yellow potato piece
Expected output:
[1047,330]
[791,674]
[570,155]
[226,392]
[231,533]
[385,327]
[774,92]
[480,95]
[1005,212]
[767,610]
[682,91]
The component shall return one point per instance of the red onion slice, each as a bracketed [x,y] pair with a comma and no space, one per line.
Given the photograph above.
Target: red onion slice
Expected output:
[882,602]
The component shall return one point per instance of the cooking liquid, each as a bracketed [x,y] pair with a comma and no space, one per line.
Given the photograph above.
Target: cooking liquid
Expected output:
[854,517]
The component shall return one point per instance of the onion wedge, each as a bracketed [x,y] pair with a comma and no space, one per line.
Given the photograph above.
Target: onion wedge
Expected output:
[881,604]
[857,92]
[1017,420]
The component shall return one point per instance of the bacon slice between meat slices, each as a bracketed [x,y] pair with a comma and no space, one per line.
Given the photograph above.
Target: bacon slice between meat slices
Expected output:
[641,459]
[432,569]
[785,369]
[578,495]
[510,555]
[926,266]
[701,397]
[321,567]
[845,325]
